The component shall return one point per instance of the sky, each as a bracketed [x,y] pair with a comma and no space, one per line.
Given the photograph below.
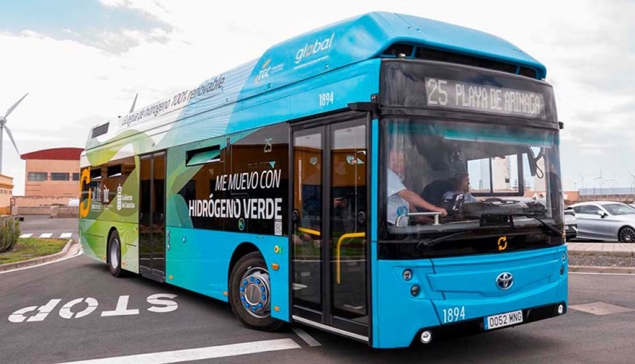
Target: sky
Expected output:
[82,62]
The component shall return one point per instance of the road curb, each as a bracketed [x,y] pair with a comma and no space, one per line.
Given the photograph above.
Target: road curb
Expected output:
[614,253]
[38,260]
[593,269]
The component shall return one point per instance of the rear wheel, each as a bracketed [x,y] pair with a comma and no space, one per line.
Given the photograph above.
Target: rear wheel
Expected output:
[114,255]
[626,235]
[250,293]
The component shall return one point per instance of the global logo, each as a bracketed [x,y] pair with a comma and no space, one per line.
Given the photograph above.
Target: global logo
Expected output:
[314,48]
[241,224]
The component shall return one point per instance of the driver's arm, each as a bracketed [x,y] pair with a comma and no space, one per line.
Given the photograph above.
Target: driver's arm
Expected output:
[416,200]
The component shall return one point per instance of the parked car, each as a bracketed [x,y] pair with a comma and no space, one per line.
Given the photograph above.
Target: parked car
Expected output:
[570,224]
[605,220]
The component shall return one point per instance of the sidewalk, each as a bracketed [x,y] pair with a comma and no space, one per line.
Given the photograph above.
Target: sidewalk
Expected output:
[602,248]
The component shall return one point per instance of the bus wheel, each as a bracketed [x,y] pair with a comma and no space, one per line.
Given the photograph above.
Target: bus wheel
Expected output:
[250,293]
[114,255]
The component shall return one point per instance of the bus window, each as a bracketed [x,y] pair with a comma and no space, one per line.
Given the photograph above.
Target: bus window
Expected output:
[117,172]
[348,230]
[307,239]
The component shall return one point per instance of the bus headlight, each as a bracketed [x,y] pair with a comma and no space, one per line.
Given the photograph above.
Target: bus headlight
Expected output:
[407,275]
[414,290]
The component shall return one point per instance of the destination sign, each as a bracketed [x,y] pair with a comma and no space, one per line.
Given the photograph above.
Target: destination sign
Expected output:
[451,94]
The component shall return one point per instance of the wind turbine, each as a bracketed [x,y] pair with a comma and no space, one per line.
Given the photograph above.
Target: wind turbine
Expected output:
[133,103]
[3,127]
[600,178]
[582,179]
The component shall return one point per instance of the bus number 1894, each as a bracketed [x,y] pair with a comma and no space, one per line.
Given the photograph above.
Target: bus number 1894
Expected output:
[453,314]
[326,99]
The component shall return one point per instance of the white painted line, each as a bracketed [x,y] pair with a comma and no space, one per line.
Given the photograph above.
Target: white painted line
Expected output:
[66,235]
[23,236]
[306,337]
[46,235]
[80,252]
[210,352]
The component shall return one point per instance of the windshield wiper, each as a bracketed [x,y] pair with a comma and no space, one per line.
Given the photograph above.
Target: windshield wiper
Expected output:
[547,225]
[433,242]
[531,215]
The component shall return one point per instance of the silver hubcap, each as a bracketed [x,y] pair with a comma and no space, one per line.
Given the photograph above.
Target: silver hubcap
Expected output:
[627,235]
[114,259]
[254,292]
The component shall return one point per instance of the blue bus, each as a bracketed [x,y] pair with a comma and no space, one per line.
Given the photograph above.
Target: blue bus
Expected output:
[387,178]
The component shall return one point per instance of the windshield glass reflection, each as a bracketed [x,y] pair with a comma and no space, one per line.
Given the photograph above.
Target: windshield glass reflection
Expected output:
[468,176]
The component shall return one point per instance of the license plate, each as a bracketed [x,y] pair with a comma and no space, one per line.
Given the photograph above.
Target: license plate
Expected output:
[504,319]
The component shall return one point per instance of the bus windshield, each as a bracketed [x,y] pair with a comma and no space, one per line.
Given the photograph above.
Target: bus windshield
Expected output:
[489,178]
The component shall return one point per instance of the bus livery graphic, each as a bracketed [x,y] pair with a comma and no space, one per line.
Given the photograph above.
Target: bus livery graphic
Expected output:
[291,186]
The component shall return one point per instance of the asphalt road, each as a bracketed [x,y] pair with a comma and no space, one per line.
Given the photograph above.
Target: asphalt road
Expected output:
[122,319]
[36,225]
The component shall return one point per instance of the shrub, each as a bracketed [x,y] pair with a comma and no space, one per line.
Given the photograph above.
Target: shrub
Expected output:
[9,233]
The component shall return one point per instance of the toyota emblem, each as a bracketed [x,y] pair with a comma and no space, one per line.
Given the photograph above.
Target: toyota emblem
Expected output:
[505,280]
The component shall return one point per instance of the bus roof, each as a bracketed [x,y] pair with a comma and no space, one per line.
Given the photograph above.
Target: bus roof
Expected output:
[371,35]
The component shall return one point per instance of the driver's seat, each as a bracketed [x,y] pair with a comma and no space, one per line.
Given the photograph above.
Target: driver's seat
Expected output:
[433,193]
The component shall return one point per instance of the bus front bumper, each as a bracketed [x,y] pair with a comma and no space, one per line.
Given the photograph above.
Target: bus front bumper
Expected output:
[489,323]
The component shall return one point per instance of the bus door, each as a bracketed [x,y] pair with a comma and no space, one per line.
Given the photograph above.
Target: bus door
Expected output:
[328,237]
[152,217]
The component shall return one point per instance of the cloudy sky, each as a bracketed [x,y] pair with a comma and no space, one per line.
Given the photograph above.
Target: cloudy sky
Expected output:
[82,62]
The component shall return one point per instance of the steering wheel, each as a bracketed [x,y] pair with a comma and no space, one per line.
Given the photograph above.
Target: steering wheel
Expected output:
[491,200]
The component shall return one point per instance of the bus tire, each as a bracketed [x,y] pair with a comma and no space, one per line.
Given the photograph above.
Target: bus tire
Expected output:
[114,254]
[249,293]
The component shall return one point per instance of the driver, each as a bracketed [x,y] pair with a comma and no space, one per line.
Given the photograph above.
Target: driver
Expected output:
[400,199]
[461,186]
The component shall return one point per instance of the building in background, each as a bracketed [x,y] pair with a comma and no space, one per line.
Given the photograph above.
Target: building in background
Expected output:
[6,194]
[52,177]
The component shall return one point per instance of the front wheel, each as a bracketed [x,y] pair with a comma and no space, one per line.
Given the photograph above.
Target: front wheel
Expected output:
[626,235]
[250,293]
[114,255]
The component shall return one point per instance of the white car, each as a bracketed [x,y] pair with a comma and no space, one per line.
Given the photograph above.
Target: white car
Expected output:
[570,224]
[605,220]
